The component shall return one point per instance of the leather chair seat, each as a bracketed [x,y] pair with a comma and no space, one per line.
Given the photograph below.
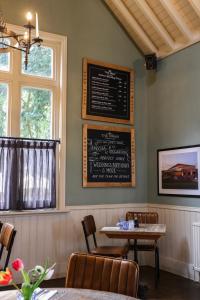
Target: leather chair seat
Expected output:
[87,271]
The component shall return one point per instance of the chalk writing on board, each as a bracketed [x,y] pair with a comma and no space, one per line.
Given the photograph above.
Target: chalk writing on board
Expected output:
[107,92]
[109,156]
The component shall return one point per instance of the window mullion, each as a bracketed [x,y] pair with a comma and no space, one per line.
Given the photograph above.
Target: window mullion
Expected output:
[15,96]
[37,82]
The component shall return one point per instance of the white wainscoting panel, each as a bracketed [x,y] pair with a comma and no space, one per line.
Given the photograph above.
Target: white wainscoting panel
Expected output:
[176,248]
[196,248]
[56,235]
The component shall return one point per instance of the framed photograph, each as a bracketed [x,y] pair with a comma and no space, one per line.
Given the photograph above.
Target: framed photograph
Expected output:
[108,92]
[179,171]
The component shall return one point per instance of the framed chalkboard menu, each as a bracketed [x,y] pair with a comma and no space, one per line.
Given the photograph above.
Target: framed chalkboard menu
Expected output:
[107,92]
[108,156]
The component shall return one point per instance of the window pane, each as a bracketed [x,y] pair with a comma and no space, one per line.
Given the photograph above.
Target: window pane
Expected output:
[40,62]
[36,113]
[3,108]
[5,58]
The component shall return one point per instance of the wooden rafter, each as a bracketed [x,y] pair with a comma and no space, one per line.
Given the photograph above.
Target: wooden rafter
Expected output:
[156,23]
[135,27]
[196,6]
[164,26]
[178,20]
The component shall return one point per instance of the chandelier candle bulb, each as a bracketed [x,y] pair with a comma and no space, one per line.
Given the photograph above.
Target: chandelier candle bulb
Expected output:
[36,25]
[21,43]
[26,35]
[29,16]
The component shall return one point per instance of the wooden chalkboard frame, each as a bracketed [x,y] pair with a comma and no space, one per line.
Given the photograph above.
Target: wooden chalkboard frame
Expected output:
[85,115]
[85,153]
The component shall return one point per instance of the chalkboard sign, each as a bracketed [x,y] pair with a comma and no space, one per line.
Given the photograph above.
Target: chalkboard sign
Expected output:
[108,156]
[107,92]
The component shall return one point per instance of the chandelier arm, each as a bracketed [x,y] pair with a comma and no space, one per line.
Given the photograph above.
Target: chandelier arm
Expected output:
[10,46]
[9,33]
[33,43]
[11,36]
[24,42]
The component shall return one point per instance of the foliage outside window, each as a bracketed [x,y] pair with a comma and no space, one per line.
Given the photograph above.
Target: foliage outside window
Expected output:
[3,108]
[5,59]
[40,62]
[36,113]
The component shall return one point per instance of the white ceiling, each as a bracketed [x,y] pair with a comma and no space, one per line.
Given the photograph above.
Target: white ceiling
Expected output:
[162,27]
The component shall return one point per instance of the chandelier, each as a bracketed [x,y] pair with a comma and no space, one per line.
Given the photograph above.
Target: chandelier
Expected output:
[23,42]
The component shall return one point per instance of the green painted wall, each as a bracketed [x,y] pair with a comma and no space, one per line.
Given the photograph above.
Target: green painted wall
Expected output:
[173,113]
[92,32]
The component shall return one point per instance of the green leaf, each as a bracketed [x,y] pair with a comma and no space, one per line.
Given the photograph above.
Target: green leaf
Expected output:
[25,276]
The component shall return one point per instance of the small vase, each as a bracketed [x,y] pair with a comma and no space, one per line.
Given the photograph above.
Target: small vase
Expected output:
[29,297]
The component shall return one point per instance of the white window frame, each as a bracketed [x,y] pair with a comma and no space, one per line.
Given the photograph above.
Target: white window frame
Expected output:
[58,86]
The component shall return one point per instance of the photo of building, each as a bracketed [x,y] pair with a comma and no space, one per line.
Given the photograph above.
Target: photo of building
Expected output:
[180,176]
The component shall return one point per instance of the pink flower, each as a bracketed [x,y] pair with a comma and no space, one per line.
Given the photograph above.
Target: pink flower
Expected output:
[18,265]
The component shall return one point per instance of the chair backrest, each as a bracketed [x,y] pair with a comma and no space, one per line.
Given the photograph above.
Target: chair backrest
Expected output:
[7,236]
[94,272]
[143,217]
[89,228]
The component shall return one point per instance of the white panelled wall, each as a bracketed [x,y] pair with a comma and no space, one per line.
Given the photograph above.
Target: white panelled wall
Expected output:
[57,235]
[176,248]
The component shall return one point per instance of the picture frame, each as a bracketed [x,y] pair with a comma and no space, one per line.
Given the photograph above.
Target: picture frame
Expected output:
[108,156]
[178,171]
[107,92]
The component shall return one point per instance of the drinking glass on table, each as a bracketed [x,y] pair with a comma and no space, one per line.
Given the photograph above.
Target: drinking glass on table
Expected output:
[125,225]
[131,224]
[121,222]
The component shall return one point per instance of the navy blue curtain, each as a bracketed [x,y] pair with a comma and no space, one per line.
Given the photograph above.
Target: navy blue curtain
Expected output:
[27,174]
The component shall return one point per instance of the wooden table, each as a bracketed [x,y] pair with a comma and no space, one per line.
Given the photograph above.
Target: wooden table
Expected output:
[74,294]
[145,232]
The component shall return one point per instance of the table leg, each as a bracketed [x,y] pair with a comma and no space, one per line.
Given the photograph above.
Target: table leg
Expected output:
[157,267]
[135,251]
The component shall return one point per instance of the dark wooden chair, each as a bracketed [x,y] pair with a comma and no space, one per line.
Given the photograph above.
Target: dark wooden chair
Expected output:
[7,236]
[145,218]
[87,271]
[89,229]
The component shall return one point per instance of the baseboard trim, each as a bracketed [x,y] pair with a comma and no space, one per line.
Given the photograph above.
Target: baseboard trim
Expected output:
[177,267]
[174,266]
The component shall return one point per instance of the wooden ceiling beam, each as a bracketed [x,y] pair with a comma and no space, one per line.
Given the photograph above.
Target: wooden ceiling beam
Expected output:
[135,27]
[148,12]
[196,6]
[178,20]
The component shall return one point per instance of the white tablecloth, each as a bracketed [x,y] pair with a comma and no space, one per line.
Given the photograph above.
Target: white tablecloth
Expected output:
[74,294]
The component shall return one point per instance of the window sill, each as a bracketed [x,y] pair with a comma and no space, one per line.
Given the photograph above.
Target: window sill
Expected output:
[34,212]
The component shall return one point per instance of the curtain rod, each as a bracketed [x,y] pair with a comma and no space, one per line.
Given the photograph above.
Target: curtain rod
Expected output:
[28,139]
